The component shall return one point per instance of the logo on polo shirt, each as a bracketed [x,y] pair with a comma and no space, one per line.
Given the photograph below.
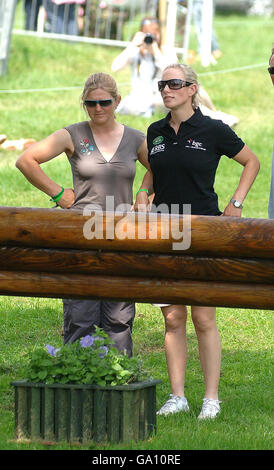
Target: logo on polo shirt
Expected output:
[193,144]
[158,140]
[158,148]
[85,146]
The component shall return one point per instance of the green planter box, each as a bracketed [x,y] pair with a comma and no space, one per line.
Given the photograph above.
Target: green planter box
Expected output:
[81,413]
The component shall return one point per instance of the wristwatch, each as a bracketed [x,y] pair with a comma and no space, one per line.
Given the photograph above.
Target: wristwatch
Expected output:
[236,203]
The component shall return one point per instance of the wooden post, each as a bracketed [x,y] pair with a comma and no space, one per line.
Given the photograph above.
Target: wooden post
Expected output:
[171,23]
[162,9]
[187,30]
[207,17]
[21,414]
[35,412]
[47,412]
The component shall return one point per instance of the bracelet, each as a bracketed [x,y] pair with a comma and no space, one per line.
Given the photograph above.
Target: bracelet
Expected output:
[58,196]
[142,190]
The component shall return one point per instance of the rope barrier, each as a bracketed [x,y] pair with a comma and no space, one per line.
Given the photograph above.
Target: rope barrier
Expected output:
[215,72]
[235,69]
[33,90]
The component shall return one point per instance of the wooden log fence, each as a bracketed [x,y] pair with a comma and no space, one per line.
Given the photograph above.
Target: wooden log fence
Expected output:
[229,261]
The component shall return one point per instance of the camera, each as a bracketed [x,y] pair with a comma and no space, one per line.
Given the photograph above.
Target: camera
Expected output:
[149,38]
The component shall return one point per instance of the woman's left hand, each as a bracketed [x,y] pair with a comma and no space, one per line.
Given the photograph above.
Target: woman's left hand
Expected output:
[232,211]
[251,166]
[67,199]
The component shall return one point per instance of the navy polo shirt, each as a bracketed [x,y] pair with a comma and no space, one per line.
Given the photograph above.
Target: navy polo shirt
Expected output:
[184,164]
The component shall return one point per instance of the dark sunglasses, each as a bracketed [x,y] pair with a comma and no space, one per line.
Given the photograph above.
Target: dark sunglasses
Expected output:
[173,84]
[271,70]
[93,103]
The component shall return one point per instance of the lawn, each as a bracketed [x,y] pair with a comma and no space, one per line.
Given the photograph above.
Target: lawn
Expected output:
[246,387]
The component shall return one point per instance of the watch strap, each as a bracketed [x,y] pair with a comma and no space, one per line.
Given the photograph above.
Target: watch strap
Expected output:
[236,203]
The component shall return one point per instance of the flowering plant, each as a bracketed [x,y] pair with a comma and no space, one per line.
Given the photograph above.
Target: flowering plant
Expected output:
[90,360]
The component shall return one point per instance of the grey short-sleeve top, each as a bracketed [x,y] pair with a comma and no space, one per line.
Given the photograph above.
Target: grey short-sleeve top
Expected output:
[94,177]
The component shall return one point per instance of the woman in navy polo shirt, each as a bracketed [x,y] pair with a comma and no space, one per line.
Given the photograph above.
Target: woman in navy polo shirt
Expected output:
[184,150]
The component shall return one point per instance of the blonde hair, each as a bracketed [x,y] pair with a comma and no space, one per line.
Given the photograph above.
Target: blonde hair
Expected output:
[100,80]
[190,76]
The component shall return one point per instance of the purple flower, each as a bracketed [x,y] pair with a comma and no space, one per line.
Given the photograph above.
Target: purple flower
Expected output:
[51,350]
[87,341]
[103,350]
[98,338]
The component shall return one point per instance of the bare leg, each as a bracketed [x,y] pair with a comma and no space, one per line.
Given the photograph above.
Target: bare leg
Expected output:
[204,319]
[175,346]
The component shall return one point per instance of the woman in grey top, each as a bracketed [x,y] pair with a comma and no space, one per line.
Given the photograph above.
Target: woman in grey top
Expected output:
[102,154]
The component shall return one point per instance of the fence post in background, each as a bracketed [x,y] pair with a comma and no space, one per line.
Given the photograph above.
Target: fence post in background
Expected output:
[7,10]
[207,17]
[162,8]
[187,30]
[171,23]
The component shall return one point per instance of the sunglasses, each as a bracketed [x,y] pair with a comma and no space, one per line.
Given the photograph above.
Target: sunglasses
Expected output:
[102,103]
[271,70]
[173,84]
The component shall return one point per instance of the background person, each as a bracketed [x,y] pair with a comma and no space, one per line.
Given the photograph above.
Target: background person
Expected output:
[32,8]
[147,58]
[61,16]
[102,154]
[147,61]
[182,171]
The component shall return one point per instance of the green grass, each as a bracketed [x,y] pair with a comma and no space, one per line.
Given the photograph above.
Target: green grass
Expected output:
[246,381]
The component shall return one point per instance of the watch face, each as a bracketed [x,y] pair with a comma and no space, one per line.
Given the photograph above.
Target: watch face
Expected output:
[237,204]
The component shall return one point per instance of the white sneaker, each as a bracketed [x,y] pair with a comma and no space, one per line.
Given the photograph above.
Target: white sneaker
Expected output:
[173,405]
[210,409]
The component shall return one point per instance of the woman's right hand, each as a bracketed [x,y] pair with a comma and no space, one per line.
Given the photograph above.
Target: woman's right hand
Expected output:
[142,203]
[138,39]
[67,199]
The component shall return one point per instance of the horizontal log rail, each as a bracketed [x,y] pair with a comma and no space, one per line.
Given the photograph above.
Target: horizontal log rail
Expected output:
[53,228]
[229,261]
[140,289]
[137,264]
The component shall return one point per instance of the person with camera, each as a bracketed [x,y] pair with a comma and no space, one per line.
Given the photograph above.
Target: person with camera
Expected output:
[147,58]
